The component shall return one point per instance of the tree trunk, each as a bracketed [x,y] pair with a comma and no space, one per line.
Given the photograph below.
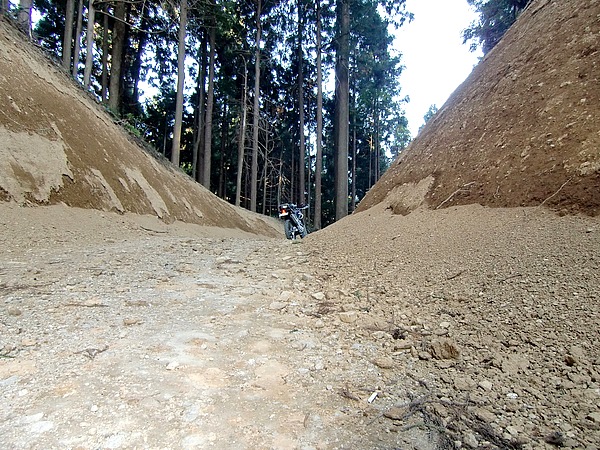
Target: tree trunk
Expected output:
[3,6]
[24,16]
[265,171]
[224,132]
[241,139]
[210,95]
[105,48]
[354,163]
[89,38]
[341,125]
[116,63]
[254,166]
[175,149]
[142,37]
[68,35]
[301,150]
[198,152]
[77,50]
[319,161]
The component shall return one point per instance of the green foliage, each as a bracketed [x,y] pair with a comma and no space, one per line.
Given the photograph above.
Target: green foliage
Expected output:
[495,18]
[433,109]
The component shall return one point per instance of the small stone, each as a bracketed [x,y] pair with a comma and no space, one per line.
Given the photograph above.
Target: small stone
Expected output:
[484,415]
[470,440]
[512,405]
[445,325]
[594,417]
[348,316]
[286,296]
[464,383]
[486,385]
[394,413]
[555,438]
[384,362]
[332,295]
[277,306]
[512,430]
[28,342]
[444,349]
[14,311]
[131,321]
[318,295]
[172,365]
[425,356]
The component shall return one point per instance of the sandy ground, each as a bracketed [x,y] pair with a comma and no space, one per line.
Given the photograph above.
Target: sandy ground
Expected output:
[119,331]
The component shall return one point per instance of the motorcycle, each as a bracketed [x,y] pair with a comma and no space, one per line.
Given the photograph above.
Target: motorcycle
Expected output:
[293,220]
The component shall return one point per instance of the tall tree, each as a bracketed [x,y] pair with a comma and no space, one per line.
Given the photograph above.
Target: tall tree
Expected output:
[341,127]
[24,16]
[105,50]
[68,35]
[89,38]
[256,111]
[116,64]
[241,138]
[78,31]
[198,149]
[301,146]
[319,118]
[210,95]
[175,150]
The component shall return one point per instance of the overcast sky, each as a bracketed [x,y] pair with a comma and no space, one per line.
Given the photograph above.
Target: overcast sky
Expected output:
[435,59]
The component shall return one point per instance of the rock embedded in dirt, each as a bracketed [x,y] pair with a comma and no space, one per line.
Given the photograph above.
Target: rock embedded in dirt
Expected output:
[14,311]
[384,362]
[348,316]
[444,349]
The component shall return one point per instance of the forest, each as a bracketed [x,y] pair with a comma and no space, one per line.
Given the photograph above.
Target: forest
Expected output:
[260,101]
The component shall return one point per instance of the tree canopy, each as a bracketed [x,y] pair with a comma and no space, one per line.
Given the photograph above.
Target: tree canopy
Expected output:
[495,18]
[240,94]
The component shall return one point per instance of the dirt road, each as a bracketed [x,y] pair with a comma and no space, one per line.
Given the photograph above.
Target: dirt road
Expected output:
[468,328]
[123,332]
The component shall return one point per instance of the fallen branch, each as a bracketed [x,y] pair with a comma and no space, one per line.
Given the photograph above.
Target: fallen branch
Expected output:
[509,277]
[91,353]
[559,189]
[153,230]
[454,193]
[452,277]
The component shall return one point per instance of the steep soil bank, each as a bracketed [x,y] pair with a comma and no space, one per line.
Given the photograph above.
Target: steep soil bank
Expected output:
[57,145]
[522,130]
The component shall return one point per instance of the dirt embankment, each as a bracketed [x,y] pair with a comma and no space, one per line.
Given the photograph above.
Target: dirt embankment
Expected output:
[522,130]
[57,145]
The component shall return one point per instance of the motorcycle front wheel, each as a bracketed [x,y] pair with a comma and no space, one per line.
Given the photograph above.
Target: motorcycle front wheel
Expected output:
[288,228]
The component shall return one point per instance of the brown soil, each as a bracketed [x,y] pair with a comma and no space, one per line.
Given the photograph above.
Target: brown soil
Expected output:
[139,311]
[522,130]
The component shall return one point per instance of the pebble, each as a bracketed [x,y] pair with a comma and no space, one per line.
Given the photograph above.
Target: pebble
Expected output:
[14,311]
[277,306]
[348,316]
[384,362]
[395,413]
[172,365]
[486,385]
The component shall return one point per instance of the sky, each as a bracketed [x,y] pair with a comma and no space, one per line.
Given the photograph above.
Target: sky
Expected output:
[435,59]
